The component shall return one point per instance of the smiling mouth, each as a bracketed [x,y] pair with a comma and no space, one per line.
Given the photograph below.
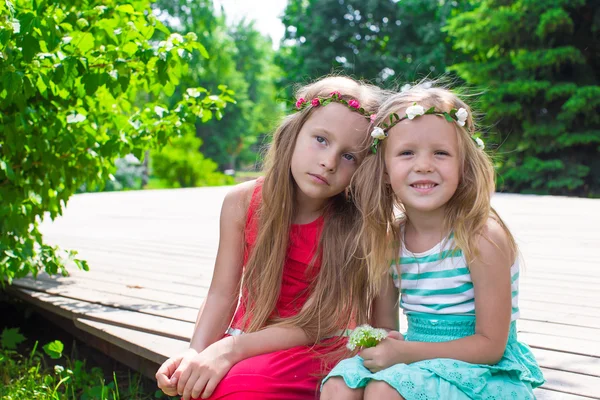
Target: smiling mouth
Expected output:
[428,185]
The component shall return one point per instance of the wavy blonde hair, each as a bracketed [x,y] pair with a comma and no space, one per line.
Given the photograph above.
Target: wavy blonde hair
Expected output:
[468,210]
[340,294]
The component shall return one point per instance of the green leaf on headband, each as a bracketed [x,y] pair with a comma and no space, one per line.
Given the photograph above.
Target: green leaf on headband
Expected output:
[453,113]
[396,116]
[430,111]
[448,117]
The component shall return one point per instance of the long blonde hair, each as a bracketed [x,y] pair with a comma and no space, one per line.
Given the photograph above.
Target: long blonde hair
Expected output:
[468,210]
[340,293]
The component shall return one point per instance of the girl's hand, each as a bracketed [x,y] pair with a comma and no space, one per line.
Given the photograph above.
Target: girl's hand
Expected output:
[200,374]
[387,353]
[164,376]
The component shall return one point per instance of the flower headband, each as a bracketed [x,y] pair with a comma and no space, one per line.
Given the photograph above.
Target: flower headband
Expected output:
[336,96]
[459,116]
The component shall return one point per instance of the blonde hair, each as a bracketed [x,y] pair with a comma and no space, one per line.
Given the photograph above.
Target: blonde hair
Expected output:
[340,293]
[468,210]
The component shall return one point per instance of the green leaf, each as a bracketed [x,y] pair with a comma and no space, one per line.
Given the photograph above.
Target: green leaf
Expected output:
[126,8]
[54,349]
[84,42]
[7,169]
[11,338]
[31,47]
[203,51]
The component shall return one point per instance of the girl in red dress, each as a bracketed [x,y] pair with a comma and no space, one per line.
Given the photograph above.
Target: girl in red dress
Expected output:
[289,276]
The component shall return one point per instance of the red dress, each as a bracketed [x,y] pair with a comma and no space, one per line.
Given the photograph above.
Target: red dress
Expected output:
[292,374]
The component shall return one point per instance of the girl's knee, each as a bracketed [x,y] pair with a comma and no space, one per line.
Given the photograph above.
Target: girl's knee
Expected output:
[377,390]
[336,388]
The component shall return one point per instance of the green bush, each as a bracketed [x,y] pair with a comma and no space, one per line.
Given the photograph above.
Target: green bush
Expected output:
[180,164]
[71,74]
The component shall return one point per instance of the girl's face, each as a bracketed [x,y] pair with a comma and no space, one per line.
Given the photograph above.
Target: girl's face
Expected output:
[422,162]
[329,149]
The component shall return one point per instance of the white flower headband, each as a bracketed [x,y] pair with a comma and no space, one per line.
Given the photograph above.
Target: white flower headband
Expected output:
[459,116]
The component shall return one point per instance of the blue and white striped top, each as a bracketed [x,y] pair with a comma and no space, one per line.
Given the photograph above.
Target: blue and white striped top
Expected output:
[438,281]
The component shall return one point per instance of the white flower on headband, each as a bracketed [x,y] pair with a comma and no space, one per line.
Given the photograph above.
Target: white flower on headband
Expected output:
[378,133]
[480,143]
[461,116]
[414,111]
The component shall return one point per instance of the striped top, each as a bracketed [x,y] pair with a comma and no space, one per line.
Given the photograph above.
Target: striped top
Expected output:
[438,281]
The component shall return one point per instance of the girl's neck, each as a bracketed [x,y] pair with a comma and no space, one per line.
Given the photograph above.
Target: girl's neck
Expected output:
[423,230]
[307,209]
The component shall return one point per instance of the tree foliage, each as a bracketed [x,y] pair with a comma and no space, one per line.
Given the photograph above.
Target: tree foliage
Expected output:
[388,42]
[539,63]
[241,58]
[71,76]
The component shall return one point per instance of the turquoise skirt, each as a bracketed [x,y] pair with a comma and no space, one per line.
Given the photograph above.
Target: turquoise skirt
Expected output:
[514,377]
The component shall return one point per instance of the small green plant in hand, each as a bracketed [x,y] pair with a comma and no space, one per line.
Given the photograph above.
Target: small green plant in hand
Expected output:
[365,336]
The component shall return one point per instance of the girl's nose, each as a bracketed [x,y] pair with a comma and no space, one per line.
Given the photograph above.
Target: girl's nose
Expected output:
[329,162]
[423,165]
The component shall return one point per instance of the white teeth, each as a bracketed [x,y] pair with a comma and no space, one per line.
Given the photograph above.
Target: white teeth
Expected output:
[423,185]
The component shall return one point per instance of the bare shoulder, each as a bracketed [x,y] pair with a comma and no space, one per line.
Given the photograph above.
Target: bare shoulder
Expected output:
[237,200]
[494,243]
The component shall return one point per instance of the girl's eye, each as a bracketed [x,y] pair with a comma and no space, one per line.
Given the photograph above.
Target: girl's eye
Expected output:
[441,153]
[405,153]
[349,157]
[320,139]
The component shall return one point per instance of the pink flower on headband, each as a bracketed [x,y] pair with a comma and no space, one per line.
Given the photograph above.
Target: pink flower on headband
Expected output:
[315,102]
[300,102]
[354,104]
[373,117]
[336,93]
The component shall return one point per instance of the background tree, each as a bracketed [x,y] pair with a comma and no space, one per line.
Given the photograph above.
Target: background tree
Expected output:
[387,42]
[70,75]
[539,63]
[241,58]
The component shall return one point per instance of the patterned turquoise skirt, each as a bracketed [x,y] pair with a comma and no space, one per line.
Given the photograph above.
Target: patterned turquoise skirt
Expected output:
[514,377]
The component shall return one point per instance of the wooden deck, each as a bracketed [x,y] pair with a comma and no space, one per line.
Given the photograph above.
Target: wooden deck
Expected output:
[151,255]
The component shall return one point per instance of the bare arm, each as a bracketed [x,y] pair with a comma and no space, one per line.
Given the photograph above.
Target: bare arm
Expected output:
[217,309]
[385,308]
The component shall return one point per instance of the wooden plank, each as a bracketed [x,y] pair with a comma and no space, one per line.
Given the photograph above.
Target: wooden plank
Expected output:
[559,330]
[73,309]
[91,295]
[590,311]
[568,382]
[139,294]
[172,296]
[544,394]
[567,362]
[561,318]
[152,347]
[567,345]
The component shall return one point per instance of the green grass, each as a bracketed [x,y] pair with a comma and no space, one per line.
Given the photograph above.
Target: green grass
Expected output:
[53,376]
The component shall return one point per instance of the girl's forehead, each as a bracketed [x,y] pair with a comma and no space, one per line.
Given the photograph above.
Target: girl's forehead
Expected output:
[424,129]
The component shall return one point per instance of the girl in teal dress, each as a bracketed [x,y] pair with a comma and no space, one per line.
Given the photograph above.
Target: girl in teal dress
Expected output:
[455,263]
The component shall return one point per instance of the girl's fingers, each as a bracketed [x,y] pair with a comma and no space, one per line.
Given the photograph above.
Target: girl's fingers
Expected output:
[210,387]
[183,380]
[395,335]
[196,389]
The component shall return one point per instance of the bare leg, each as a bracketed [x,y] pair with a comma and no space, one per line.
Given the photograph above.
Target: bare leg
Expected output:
[336,389]
[377,390]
